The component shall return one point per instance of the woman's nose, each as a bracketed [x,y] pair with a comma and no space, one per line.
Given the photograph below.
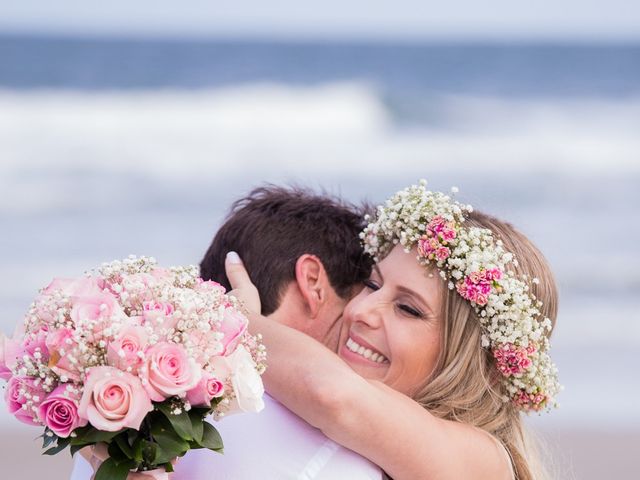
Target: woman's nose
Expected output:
[369,310]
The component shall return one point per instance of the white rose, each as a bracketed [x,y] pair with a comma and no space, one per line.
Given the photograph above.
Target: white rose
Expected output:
[247,383]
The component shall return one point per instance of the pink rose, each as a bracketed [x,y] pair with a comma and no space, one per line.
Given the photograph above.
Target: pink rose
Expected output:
[233,325]
[97,311]
[442,253]
[64,353]
[481,299]
[206,344]
[59,411]
[10,351]
[23,397]
[162,274]
[511,359]
[209,285]
[159,307]
[168,371]
[208,387]
[125,352]
[494,274]
[484,288]
[74,287]
[36,342]
[159,313]
[475,277]
[113,400]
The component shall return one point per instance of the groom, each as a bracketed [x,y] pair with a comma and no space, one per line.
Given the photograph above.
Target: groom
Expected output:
[303,254]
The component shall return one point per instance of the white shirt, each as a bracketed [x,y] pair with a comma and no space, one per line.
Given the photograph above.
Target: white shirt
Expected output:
[273,444]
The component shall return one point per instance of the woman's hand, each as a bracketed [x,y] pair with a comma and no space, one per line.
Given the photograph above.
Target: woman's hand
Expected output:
[242,287]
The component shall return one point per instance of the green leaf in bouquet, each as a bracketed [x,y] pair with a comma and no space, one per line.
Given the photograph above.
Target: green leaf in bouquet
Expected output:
[211,439]
[62,444]
[116,453]
[48,437]
[169,447]
[137,449]
[133,436]
[110,470]
[89,435]
[170,444]
[149,450]
[181,422]
[122,441]
[197,420]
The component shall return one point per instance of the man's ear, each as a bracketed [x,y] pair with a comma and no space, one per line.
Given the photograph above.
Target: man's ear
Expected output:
[312,281]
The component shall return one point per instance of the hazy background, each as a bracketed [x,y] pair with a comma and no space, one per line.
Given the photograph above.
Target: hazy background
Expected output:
[131,127]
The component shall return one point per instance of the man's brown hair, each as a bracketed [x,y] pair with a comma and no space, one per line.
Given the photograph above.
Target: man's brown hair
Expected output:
[273,226]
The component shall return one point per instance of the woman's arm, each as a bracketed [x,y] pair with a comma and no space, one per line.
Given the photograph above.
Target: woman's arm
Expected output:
[387,427]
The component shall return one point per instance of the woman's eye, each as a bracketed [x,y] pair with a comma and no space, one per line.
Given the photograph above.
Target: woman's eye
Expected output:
[370,284]
[410,310]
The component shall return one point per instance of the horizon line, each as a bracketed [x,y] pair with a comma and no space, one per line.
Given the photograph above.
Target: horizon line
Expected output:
[324,38]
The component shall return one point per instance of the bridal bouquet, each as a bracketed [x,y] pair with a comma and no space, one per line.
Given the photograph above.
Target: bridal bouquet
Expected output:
[131,359]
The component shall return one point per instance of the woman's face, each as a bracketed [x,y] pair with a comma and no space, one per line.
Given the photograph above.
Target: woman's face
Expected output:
[391,330]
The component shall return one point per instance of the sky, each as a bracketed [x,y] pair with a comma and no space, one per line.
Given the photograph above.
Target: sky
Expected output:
[615,20]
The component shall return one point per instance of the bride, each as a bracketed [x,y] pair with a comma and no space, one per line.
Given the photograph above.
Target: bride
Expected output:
[439,354]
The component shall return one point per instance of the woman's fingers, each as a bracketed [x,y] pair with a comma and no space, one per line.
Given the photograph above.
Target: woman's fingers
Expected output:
[236,273]
[241,284]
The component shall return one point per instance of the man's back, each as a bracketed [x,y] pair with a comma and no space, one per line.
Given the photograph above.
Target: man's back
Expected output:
[274,444]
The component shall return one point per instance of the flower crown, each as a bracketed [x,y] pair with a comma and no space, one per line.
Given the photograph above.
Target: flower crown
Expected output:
[477,266]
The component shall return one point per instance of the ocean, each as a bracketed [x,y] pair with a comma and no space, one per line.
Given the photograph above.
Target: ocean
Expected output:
[111,147]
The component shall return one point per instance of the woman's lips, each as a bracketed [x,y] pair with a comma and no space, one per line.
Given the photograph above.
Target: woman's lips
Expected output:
[364,350]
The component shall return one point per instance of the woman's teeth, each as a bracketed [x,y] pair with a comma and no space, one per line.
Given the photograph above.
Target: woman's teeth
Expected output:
[365,352]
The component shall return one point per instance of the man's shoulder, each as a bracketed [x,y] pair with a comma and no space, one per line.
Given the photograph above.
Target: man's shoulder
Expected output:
[275,425]
[278,444]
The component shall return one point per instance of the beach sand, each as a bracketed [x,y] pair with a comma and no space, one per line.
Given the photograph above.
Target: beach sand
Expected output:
[580,454]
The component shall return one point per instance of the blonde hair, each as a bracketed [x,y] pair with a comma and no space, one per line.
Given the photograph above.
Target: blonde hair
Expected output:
[464,385]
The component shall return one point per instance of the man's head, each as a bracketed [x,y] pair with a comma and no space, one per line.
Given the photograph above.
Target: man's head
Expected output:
[301,250]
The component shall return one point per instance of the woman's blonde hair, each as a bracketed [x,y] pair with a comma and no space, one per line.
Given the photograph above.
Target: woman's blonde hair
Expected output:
[465,383]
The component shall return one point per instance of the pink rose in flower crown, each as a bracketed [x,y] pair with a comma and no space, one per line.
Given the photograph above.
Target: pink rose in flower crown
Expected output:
[23,397]
[441,229]
[427,246]
[233,325]
[481,299]
[511,359]
[59,411]
[113,400]
[168,371]
[64,354]
[208,388]
[97,311]
[442,253]
[126,350]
